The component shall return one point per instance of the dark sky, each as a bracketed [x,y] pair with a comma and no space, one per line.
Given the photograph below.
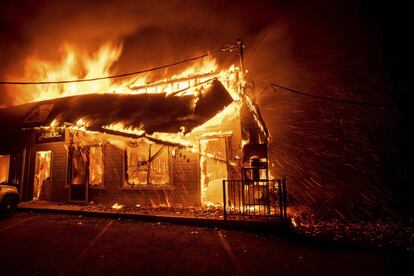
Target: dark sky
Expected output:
[342,49]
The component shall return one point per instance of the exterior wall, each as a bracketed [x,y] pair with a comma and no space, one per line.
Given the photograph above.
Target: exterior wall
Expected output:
[186,179]
[234,142]
[184,176]
[234,153]
[185,172]
[183,191]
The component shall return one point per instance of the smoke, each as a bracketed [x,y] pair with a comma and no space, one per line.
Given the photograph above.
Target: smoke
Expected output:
[331,153]
[151,33]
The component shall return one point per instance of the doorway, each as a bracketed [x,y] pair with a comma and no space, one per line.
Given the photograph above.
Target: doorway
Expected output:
[42,178]
[213,168]
[78,165]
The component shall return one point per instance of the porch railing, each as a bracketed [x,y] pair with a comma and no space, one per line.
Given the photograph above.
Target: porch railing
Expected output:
[249,199]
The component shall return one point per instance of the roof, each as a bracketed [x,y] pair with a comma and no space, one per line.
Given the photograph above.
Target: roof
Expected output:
[150,112]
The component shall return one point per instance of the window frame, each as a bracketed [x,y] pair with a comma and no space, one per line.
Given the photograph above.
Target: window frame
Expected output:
[8,168]
[70,168]
[101,185]
[148,185]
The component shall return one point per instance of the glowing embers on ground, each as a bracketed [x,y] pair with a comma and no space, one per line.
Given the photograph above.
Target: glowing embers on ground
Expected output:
[117,206]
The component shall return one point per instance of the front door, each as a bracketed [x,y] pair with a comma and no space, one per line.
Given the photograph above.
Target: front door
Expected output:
[42,178]
[213,164]
[78,166]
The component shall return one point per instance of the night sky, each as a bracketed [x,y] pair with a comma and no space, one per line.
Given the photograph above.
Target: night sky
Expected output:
[353,158]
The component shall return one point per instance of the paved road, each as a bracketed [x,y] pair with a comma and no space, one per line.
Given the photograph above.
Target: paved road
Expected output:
[51,244]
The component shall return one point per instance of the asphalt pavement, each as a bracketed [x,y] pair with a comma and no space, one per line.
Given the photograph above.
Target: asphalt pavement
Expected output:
[57,244]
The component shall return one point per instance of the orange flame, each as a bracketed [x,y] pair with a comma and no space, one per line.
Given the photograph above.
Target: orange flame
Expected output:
[78,65]
[74,65]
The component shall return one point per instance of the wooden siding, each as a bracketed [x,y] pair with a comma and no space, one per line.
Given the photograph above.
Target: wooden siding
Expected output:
[186,179]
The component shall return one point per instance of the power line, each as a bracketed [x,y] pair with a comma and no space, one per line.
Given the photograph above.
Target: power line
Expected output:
[258,44]
[344,101]
[119,75]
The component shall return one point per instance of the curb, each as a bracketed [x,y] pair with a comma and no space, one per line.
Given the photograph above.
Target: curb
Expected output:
[273,226]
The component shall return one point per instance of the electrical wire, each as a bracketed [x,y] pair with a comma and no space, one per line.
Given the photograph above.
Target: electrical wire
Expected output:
[250,53]
[343,101]
[119,75]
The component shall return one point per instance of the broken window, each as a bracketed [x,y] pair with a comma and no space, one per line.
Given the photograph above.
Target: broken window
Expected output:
[95,166]
[159,170]
[79,165]
[4,168]
[147,164]
[87,166]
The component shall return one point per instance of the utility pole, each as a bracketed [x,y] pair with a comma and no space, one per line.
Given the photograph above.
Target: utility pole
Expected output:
[240,44]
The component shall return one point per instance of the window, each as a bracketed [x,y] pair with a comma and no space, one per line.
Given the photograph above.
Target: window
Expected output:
[79,165]
[147,164]
[95,167]
[4,168]
[87,165]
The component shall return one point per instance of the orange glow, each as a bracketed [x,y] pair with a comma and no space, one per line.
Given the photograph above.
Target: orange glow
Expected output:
[120,127]
[207,140]
[41,183]
[77,64]
[117,206]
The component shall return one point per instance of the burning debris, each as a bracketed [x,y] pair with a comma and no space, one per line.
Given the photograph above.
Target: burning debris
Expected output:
[395,232]
[209,211]
[117,206]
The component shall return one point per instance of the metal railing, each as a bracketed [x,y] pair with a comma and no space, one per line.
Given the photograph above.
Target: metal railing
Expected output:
[254,199]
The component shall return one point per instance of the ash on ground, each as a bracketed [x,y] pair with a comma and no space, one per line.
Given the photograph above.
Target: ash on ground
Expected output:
[392,232]
[214,212]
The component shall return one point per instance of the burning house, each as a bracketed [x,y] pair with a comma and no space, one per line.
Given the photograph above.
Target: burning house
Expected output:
[168,143]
